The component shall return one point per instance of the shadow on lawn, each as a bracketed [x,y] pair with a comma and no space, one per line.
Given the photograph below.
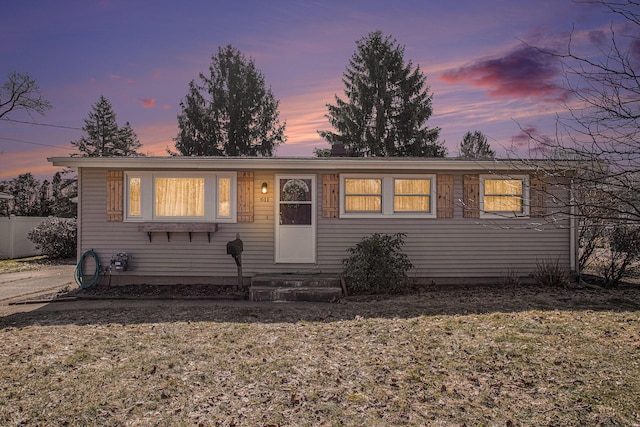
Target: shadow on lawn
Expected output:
[430,302]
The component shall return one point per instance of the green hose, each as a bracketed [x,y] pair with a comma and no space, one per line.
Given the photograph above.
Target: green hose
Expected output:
[88,281]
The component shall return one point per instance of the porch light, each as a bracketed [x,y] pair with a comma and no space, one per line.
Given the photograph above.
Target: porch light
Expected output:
[264,188]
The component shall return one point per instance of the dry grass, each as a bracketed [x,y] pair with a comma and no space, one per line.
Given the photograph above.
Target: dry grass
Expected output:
[22,264]
[490,357]
[29,263]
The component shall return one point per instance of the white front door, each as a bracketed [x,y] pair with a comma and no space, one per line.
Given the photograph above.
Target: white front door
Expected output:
[295,219]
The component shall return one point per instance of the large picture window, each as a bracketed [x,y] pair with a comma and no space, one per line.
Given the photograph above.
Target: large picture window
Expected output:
[503,196]
[178,197]
[387,195]
[201,197]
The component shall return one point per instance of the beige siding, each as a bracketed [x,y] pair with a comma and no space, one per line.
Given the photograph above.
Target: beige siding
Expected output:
[456,247]
[439,248]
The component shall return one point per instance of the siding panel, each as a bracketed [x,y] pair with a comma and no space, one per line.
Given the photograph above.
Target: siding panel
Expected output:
[455,247]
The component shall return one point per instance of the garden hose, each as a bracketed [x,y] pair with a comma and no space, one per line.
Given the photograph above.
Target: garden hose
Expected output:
[87,281]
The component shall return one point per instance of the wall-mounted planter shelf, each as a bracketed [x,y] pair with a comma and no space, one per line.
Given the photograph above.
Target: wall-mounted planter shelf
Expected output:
[167,227]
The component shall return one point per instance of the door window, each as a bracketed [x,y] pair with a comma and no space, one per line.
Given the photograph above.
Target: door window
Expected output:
[295,201]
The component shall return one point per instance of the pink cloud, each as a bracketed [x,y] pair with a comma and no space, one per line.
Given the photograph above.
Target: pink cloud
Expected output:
[523,73]
[115,77]
[166,107]
[148,103]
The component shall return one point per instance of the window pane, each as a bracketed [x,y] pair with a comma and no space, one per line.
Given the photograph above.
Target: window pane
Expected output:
[412,204]
[179,197]
[363,203]
[224,197]
[503,187]
[412,195]
[134,197]
[503,204]
[295,214]
[363,186]
[295,190]
[412,186]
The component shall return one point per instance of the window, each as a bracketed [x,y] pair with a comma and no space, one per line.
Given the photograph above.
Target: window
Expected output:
[135,190]
[178,197]
[503,196]
[295,201]
[387,195]
[412,195]
[198,197]
[363,195]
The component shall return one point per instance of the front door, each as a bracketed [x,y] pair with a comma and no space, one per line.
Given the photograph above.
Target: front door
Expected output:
[295,219]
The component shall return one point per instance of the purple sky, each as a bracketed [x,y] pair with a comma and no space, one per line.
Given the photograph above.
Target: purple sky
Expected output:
[141,55]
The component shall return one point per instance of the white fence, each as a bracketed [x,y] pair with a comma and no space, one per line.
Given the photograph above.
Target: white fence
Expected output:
[13,236]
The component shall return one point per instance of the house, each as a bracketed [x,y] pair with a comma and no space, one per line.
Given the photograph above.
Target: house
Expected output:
[465,220]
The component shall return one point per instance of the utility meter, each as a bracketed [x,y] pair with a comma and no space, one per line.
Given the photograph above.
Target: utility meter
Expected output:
[120,261]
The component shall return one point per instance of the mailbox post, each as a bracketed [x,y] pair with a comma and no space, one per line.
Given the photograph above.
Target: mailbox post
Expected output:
[235,248]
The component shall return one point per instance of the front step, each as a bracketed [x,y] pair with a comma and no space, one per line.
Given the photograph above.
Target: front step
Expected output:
[295,288]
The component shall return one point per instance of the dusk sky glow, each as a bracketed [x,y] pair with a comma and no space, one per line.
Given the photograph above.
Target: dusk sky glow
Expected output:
[141,55]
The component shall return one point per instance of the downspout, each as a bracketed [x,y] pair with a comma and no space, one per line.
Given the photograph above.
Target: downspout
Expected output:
[573,235]
[79,216]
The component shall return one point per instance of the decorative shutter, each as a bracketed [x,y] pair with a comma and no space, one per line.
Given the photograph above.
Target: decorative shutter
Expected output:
[115,199]
[330,195]
[245,196]
[537,197]
[445,196]
[471,196]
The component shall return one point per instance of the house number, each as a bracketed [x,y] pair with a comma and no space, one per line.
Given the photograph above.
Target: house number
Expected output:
[265,199]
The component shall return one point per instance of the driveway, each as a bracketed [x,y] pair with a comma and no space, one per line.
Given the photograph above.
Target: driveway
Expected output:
[15,286]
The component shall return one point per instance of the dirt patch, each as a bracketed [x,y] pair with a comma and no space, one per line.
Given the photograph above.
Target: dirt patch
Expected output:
[143,291]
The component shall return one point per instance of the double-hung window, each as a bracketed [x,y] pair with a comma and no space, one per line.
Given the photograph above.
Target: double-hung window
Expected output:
[387,195]
[180,196]
[504,196]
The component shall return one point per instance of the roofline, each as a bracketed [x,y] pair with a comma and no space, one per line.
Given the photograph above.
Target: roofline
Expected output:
[293,163]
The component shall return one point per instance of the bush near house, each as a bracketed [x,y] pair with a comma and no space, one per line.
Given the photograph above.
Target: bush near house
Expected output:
[624,250]
[377,265]
[55,237]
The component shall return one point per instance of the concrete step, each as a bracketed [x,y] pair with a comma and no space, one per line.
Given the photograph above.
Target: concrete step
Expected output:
[297,293]
[296,281]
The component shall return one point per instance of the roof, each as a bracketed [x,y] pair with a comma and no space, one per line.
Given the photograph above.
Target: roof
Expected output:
[304,163]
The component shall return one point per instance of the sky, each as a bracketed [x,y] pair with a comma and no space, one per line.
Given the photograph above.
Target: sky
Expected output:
[478,57]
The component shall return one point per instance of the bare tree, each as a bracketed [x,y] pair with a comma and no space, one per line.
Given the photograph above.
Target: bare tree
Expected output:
[601,125]
[21,93]
[600,130]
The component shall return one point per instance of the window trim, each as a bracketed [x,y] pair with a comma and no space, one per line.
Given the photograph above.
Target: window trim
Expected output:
[505,214]
[388,195]
[211,209]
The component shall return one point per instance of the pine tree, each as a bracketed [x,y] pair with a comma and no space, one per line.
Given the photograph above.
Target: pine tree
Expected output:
[104,137]
[387,104]
[475,146]
[229,112]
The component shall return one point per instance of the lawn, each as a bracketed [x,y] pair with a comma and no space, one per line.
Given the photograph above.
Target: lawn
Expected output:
[487,356]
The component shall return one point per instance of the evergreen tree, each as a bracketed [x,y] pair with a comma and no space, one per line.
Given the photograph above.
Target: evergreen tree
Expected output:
[104,137]
[387,104]
[62,191]
[229,112]
[474,145]
[24,189]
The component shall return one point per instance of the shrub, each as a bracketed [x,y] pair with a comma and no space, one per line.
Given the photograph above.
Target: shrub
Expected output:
[511,277]
[377,265]
[55,237]
[549,273]
[624,249]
